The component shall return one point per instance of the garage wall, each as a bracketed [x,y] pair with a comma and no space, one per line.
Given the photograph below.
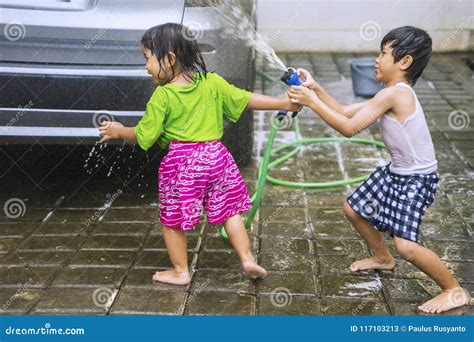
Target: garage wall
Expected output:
[359,25]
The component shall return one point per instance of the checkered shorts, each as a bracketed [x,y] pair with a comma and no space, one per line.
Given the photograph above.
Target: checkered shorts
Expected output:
[395,203]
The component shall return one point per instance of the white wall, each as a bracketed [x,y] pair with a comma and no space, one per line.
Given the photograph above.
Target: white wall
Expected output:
[359,25]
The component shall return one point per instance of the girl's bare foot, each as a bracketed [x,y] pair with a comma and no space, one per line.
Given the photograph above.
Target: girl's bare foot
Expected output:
[373,263]
[446,300]
[253,270]
[172,277]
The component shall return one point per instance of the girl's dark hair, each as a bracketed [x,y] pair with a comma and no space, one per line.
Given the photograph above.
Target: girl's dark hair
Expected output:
[179,39]
[409,40]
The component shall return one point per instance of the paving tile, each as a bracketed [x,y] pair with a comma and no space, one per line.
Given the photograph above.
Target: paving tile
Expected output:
[113,242]
[279,214]
[355,248]
[215,242]
[287,283]
[287,262]
[9,244]
[52,243]
[120,228]
[452,250]
[17,229]
[59,229]
[104,258]
[17,301]
[222,281]
[80,216]
[135,301]
[35,277]
[406,290]
[295,246]
[36,258]
[354,307]
[28,215]
[131,215]
[333,215]
[218,260]
[289,305]
[301,230]
[351,287]
[66,301]
[89,277]
[219,303]
[334,230]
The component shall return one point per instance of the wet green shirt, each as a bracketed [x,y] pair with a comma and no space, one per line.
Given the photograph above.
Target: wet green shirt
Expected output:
[194,112]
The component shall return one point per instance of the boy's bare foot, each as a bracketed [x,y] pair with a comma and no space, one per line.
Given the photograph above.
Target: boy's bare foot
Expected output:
[172,277]
[373,263]
[253,270]
[446,300]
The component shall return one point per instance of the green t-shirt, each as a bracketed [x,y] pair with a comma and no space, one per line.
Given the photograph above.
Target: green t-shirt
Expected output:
[194,112]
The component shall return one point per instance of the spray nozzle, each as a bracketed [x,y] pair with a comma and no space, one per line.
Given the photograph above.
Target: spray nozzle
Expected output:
[290,77]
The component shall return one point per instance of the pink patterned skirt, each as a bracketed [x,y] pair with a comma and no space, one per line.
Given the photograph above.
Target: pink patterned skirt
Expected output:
[199,175]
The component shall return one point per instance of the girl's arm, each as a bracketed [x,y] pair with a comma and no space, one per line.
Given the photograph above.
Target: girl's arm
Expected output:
[128,134]
[347,126]
[264,102]
[346,110]
[115,130]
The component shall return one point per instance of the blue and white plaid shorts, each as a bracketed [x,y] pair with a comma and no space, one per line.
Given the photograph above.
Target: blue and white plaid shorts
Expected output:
[395,203]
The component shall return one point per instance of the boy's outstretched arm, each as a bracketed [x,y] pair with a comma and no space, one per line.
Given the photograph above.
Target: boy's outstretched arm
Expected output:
[264,102]
[115,130]
[347,126]
[346,110]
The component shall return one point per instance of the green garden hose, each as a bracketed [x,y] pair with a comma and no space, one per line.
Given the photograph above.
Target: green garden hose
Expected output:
[266,165]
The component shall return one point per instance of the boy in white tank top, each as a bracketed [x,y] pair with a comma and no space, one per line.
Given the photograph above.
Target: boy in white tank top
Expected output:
[396,196]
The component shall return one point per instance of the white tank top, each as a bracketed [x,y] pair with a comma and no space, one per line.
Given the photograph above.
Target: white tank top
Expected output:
[410,145]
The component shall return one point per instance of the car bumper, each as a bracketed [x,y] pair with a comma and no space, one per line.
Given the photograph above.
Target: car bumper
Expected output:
[58,127]
[58,103]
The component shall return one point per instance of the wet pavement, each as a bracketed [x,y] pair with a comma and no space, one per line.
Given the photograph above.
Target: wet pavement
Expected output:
[78,240]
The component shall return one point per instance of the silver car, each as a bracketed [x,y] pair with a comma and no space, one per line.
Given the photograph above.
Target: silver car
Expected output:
[67,64]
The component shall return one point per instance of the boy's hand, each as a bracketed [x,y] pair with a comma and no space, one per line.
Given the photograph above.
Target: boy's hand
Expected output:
[307,79]
[302,96]
[109,130]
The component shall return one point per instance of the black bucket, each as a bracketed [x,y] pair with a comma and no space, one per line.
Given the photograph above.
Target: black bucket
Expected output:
[364,82]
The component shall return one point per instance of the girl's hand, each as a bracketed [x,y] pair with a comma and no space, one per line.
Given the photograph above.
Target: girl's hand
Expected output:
[109,130]
[307,79]
[290,105]
[302,96]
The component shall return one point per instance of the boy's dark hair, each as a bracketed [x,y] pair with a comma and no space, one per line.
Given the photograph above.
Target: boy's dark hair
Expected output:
[179,39]
[409,40]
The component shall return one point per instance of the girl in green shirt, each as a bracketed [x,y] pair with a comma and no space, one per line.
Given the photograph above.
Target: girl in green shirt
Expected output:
[185,114]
